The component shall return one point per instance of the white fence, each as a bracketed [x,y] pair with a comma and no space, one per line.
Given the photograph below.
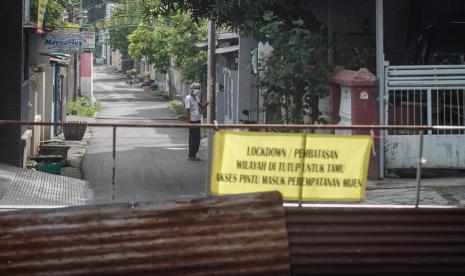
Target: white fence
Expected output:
[425,95]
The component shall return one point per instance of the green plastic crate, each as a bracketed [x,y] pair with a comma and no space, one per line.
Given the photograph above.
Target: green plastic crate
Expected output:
[54,168]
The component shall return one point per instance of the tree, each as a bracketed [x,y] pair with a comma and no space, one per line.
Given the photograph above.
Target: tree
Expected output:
[53,12]
[69,6]
[118,37]
[296,73]
[173,37]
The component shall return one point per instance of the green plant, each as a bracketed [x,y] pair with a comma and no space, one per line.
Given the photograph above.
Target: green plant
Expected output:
[118,37]
[176,108]
[131,73]
[158,94]
[172,38]
[83,107]
[296,72]
[31,164]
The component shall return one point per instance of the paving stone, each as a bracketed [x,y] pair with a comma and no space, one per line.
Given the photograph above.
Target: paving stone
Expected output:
[403,197]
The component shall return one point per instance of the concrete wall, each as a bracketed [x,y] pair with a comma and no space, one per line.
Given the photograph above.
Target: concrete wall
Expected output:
[116,60]
[175,83]
[87,84]
[42,83]
[161,79]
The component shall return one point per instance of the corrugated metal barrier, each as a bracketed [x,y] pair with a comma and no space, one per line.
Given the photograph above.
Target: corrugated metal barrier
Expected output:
[223,236]
[376,241]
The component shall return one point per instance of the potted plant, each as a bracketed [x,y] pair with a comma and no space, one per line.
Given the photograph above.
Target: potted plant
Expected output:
[74,131]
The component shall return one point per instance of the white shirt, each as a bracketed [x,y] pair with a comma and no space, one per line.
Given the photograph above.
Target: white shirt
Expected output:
[192,103]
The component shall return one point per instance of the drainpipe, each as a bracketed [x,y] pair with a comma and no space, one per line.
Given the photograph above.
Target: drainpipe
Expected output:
[381,77]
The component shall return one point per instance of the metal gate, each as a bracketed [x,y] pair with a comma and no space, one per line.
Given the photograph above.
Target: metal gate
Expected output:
[425,95]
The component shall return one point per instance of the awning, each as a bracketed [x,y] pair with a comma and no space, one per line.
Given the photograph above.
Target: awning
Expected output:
[228,49]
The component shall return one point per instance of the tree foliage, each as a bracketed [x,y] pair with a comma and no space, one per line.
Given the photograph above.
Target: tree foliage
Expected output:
[296,72]
[163,39]
[55,10]
[118,37]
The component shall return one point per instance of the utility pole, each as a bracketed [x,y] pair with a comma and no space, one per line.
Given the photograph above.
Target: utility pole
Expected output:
[211,80]
[211,71]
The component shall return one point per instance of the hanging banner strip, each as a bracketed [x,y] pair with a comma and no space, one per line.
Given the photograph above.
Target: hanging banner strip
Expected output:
[41,8]
[323,168]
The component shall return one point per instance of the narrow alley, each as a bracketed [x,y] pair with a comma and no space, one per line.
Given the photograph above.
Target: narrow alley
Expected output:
[151,164]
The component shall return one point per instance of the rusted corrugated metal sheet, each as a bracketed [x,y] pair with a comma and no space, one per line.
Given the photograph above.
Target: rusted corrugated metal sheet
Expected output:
[376,241]
[224,236]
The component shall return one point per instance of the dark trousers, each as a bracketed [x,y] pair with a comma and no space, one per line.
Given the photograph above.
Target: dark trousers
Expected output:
[194,140]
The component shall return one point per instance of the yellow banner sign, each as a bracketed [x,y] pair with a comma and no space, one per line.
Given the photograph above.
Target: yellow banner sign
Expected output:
[41,7]
[301,166]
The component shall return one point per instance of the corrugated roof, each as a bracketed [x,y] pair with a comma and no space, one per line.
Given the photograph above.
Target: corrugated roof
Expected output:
[227,35]
[376,241]
[224,236]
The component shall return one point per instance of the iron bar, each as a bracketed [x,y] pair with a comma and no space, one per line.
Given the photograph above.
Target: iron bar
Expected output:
[421,107]
[301,187]
[238,126]
[458,108]
[437,108]
[443,91]
[420,159]
[450,109]
[463,107]
[429,109]
[381,73]
[208,168]
[414,107]
[113,184]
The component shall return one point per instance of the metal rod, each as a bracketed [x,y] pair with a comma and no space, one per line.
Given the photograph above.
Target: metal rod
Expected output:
[208,168]
[463,108]
[458,107]
[420,158]
[114,166]
[444,110]
[380,72]
[414,107]
[429,109]
[437,108]
[239,126]
[302,160]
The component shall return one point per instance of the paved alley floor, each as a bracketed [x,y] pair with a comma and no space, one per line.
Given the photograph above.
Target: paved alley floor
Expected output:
[434,191]
[151,164]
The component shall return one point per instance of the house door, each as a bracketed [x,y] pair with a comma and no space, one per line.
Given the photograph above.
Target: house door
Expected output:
[230,96]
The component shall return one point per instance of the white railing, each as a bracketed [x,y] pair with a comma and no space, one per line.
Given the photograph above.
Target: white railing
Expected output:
[425,95]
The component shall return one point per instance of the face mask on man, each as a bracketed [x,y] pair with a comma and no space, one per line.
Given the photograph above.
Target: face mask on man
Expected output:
[196,93]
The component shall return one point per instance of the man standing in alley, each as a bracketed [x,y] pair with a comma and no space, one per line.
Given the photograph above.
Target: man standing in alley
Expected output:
[193,105]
